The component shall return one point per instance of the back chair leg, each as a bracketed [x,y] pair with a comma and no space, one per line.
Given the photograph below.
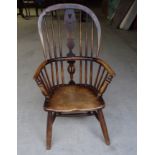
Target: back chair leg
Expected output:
[50,120]
[103,126]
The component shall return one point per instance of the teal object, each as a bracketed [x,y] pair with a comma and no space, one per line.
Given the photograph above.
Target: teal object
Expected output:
[112,6]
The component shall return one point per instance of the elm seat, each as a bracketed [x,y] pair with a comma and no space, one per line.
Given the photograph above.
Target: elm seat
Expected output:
[70,98]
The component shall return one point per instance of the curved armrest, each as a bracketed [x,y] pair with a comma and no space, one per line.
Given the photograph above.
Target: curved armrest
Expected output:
[108,78]
[40,81]
[104,64]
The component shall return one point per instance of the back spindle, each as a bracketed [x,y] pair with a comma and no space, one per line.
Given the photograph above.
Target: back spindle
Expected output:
[47,77]
[98,72]
[46,31]
[80,44]
[45,45]
[60,45]
[86,47]
[53,36]
[92,38]
[101,76]
[59,33]
[52,73]
[44,80]
[92,48]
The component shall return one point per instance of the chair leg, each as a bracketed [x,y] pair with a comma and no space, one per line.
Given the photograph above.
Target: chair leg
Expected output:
[103,126]
[49,130]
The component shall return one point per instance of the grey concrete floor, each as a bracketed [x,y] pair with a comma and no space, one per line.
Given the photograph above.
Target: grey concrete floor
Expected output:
[78,136]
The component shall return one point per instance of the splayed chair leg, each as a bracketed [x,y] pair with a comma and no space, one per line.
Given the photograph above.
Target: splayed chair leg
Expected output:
[50,120]
[103,126]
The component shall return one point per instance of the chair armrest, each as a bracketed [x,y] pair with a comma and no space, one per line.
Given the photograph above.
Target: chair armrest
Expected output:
[40,81]
[108,78]
[106,65]
[38,70]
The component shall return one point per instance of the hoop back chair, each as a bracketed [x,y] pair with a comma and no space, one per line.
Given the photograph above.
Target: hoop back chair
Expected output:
[72,77]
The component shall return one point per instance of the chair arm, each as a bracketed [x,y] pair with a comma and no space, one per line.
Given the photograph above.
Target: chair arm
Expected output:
[104,64]
[37,77]
[110,74]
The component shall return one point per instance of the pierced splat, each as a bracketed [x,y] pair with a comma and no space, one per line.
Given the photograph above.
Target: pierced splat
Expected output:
[70,20]
[71,70]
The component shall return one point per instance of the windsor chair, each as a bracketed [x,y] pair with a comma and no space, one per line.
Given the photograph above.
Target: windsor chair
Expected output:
[72,78]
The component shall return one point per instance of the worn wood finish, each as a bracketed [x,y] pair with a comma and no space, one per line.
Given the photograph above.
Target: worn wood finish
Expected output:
[80,95]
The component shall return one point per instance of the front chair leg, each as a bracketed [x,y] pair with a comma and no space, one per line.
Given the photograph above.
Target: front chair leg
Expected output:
[50,120]
[103,126]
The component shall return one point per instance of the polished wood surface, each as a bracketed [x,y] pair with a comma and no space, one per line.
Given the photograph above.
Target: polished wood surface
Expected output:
[70,98]
[72,83]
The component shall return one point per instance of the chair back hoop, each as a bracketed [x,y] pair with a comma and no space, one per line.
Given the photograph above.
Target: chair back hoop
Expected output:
[47,36]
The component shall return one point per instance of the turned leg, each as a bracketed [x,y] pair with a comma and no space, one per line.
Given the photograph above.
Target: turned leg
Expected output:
[49,130]
[103,126]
